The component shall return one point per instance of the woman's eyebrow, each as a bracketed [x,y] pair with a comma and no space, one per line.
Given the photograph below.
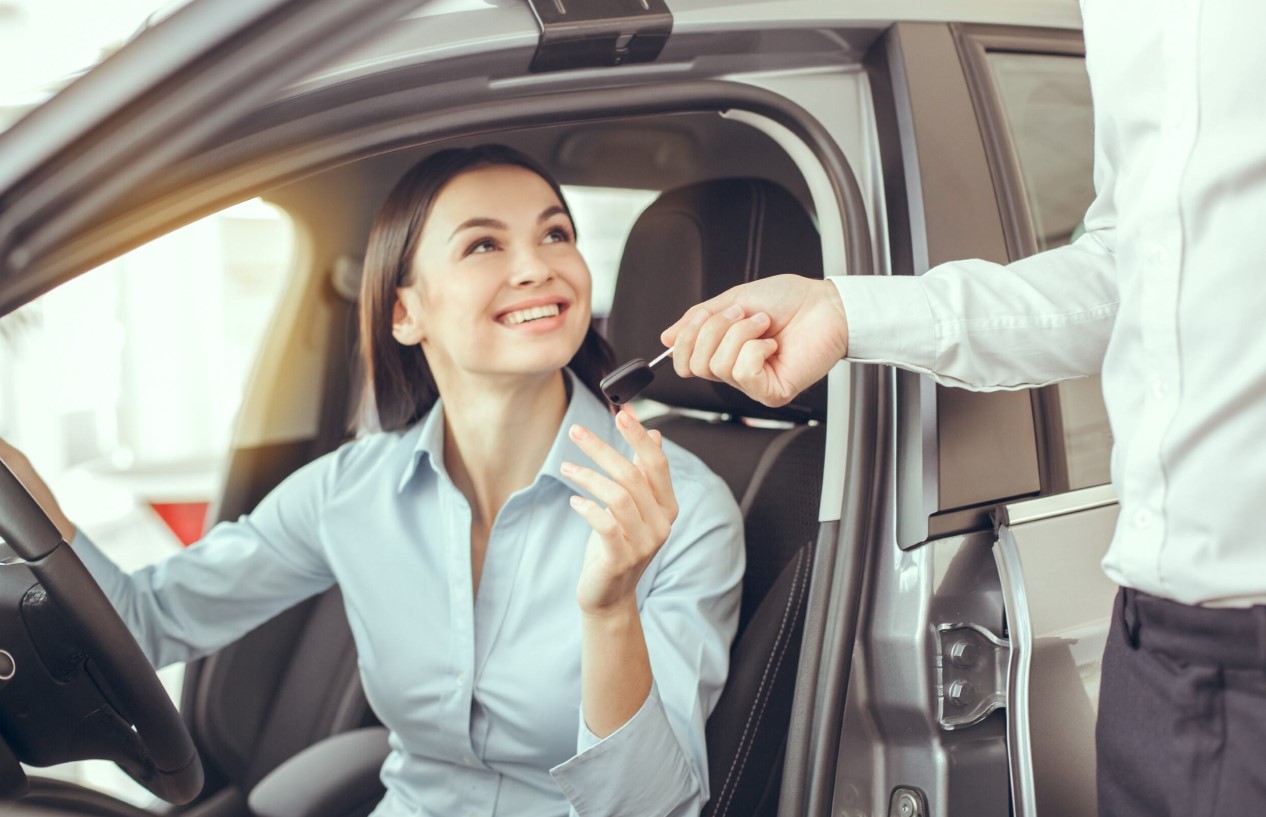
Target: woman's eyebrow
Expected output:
[546,214]
[478,222]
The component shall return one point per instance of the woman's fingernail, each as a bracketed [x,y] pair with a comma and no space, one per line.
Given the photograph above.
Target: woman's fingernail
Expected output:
[567,468]
[578,432]
[622,417]
[733,313]
[575,501]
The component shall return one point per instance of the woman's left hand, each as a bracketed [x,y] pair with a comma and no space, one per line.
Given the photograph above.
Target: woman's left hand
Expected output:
[640,510]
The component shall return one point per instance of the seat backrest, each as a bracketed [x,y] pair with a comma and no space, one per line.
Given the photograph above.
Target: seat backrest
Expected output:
[690,244]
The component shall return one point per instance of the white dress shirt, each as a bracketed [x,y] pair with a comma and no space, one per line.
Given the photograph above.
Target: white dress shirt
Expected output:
[481,691]
[1166,293]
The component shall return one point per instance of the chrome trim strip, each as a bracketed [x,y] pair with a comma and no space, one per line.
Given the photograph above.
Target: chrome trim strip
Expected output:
[1047,507]
[1020,632]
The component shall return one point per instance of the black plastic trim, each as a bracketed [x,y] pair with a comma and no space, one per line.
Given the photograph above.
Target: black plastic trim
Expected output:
[585,34]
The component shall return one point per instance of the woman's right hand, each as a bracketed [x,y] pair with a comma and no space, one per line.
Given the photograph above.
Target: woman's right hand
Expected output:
[21,468]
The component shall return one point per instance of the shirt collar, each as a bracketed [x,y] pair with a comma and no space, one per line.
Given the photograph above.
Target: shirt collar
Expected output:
[584,409]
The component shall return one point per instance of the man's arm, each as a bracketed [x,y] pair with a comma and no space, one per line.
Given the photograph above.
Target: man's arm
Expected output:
[967,323]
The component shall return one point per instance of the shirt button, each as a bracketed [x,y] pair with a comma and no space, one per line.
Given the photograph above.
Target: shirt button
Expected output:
[1159,390]
[1142,518]
[461,679]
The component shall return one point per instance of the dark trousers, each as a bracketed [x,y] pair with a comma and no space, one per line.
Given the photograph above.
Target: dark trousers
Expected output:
[1182,710]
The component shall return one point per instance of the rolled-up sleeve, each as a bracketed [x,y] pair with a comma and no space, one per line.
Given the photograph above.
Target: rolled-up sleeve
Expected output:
[656,762]
[235,578]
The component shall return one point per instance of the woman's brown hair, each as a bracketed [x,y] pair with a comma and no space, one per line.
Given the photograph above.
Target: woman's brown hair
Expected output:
[399,387]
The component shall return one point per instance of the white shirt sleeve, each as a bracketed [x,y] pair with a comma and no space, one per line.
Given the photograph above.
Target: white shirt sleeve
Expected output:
[987,326]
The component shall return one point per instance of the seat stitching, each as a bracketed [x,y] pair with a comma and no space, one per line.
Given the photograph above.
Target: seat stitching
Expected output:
[785,644]
[792,605]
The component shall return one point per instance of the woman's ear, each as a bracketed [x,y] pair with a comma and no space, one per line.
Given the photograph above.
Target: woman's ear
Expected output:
[406,318]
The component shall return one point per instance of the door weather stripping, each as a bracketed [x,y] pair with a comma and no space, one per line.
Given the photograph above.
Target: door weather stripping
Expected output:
[588,34]
[971,674]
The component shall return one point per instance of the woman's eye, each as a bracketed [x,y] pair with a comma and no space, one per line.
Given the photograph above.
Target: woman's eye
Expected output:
[483,245]
[558,235]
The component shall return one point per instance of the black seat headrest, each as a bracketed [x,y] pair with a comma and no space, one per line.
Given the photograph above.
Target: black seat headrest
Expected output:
[691,244]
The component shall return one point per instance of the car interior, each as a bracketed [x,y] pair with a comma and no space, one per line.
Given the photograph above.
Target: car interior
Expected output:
[279,719]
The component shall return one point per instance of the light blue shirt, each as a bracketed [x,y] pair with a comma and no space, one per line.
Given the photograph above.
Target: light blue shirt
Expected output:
[482,694]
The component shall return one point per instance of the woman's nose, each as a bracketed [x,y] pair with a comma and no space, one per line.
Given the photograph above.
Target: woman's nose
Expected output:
[530,269]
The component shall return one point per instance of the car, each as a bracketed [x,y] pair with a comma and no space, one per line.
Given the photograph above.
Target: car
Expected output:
[924,611]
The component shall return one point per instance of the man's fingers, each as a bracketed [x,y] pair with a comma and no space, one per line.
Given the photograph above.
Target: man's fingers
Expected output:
[727,351]
[755,375]
[711,306]
[705,344]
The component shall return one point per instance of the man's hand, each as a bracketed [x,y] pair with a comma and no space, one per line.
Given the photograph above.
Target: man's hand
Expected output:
[772,338]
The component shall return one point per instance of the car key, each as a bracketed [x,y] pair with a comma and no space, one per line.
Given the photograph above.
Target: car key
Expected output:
[628,381]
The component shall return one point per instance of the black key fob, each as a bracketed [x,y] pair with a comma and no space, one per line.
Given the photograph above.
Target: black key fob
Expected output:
[627,382]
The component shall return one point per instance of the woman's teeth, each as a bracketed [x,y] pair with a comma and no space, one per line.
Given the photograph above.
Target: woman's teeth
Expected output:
[535,313]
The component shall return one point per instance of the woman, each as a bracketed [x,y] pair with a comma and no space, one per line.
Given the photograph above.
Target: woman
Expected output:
[536,633]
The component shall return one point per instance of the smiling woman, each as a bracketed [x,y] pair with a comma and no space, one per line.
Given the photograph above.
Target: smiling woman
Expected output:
[519,565]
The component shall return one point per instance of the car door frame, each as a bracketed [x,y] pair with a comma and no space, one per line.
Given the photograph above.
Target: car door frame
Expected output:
[66,166]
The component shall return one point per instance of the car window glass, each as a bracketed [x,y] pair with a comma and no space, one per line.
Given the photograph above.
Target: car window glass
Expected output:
[1047,108]
[604,218]
[122,387]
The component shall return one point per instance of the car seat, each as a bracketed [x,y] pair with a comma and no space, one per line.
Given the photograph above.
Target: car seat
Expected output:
[693,243]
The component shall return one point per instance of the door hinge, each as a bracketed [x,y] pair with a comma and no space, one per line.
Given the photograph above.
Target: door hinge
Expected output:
[971,674]
[589,34]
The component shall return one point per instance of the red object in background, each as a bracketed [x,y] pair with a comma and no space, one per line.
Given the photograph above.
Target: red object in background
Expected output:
[186,519]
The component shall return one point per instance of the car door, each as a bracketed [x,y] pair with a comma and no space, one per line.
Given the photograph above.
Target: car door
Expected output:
[1032,98]
[976,671]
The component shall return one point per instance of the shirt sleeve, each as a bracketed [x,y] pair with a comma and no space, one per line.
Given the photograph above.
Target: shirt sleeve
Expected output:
[987,326]
[656,763]
[235,578]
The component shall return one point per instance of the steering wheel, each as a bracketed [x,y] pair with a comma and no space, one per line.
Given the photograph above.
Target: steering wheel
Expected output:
[74,683]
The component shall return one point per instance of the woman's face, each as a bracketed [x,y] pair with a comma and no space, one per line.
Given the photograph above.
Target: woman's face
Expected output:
[498,287]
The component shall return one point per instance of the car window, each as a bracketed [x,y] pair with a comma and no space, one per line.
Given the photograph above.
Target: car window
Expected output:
[1046,104]
[122,387]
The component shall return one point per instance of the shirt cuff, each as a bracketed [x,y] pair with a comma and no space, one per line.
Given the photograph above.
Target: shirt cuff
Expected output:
[890,320]
[637,769]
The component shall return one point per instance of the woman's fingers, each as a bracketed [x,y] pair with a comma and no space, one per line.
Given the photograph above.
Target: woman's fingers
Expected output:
[648,456]
[645,482]
[619,500]
[600,519]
